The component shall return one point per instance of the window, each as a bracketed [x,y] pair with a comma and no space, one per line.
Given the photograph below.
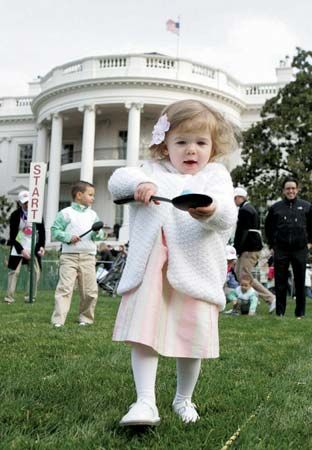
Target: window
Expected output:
[119,209]
[25,157]
[63,204]
[67,153]
[122,144]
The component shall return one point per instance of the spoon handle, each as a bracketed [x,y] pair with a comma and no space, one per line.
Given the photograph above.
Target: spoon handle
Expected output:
[124,200]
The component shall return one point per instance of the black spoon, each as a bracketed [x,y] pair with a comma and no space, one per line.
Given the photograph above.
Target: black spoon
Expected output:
[183,202]
[95,227]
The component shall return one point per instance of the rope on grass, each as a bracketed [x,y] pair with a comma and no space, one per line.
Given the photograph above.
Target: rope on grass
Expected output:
[252,416]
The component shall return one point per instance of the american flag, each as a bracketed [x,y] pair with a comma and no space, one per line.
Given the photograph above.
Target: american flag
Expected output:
[173,26]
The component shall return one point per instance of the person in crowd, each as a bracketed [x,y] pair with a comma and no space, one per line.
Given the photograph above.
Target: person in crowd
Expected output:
[105,256]
[172,285]
[248,244]
[77,260]
[116,230]
[244,297]
[231,278]
[288,228]
[20,241]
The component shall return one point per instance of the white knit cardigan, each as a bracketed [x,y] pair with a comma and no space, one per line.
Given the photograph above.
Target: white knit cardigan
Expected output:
[196,248]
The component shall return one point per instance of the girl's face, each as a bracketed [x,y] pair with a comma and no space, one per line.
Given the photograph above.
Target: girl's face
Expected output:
[245,285]
[188,151]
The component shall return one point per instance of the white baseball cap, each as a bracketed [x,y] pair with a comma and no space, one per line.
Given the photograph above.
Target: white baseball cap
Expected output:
[240,192]
[230,253]
[23,197]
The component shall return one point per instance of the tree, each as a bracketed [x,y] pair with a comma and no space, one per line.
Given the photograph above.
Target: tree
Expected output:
[281,143]
[5,207]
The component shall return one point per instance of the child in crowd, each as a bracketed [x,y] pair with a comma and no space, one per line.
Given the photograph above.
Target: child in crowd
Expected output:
[173,280]
[77,260]
[244,297]
[231,279]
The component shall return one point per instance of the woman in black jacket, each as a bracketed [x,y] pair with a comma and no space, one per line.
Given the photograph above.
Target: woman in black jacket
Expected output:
[20,242]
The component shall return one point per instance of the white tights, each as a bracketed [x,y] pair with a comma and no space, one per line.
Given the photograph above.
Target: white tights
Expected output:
[144,366]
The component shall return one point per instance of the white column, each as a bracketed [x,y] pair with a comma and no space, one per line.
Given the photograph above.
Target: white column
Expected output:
[133,141]
[42,140]
[133,150]
[6,165]
[5,148]
[88,139]
[54,172]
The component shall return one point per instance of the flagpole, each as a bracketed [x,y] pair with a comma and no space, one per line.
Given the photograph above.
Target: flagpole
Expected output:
[178,38]
[178,44]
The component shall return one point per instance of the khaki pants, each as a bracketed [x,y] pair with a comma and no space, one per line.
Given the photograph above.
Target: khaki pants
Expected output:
[245,263]
[74,266]
[12,281]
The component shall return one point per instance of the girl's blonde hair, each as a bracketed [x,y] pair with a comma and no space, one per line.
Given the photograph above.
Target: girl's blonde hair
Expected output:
[194,115]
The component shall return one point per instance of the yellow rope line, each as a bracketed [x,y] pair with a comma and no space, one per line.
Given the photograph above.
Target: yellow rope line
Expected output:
[236,435]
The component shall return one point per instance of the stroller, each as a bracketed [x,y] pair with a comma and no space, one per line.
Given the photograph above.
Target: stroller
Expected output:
[108,279]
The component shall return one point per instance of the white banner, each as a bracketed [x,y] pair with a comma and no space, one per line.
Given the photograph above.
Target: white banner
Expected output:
[37,178]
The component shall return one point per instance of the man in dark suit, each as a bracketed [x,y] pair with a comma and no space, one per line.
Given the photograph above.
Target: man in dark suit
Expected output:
[288,228]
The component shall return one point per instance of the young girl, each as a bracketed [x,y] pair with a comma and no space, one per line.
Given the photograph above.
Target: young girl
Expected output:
[244,297]
[172,285]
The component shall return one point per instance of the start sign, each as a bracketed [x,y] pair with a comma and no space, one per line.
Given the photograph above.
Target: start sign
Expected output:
[37,179]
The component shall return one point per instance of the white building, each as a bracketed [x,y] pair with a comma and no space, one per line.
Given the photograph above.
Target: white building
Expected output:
[90,116]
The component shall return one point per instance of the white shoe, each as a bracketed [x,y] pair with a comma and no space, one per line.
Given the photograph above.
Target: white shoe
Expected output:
[83,324]
[141,412]
[186,410]
[57,325]
[272,306]
[8,300]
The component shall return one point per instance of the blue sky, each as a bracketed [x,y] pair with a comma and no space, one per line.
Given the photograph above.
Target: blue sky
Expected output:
[244,37]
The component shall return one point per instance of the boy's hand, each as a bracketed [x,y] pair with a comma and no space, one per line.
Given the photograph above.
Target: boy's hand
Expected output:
[74,239]
[202,212]
[144,192]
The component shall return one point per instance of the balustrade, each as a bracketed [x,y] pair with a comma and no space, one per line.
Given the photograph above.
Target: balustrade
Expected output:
[159,63]
[205,71]
[142,65]
[268,89]
[73,68]
[21,102]
[110,62]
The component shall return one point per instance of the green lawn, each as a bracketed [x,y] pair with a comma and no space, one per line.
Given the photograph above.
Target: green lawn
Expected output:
[68,388]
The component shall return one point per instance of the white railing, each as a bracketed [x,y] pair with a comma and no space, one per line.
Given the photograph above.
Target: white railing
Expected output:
[205,71]
[148,66]
[15,106]
[23,101]
[158,62]
[262,89]
[110,62]
[155,66]
[73,68]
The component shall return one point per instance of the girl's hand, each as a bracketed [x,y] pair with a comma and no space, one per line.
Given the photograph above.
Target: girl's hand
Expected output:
[144,192]
[204,212]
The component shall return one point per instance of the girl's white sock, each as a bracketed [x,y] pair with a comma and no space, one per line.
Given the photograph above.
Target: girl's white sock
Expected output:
[187,375]
[144,362]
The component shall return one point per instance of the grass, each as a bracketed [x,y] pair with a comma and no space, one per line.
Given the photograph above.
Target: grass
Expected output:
[67,388]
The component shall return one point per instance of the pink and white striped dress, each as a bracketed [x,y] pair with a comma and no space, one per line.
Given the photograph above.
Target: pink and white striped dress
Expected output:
[172,323]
